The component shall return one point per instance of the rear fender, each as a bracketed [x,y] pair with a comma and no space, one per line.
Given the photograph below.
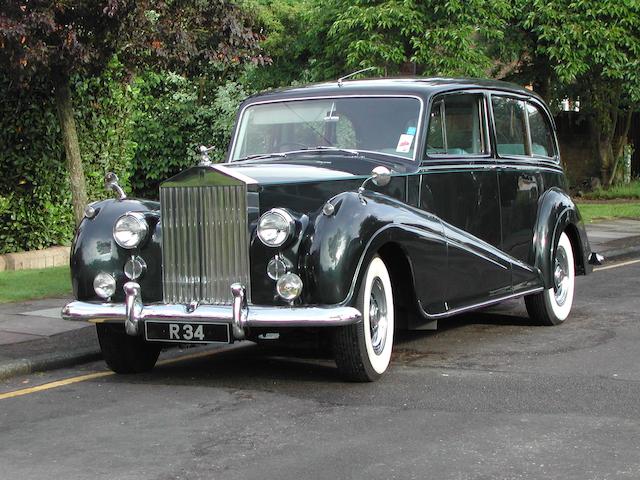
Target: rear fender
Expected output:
[557,213]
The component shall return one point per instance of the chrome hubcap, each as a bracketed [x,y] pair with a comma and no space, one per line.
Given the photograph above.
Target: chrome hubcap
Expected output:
[378,321]
[561,276]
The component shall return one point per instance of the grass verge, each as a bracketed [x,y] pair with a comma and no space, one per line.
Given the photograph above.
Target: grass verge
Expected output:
[32,284]
[624,190]
[606,211]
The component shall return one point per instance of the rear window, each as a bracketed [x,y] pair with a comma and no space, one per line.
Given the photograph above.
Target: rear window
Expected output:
[541,138]
[510,123]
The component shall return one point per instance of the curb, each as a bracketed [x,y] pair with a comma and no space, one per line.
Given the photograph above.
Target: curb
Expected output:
[51,361]
[633,250]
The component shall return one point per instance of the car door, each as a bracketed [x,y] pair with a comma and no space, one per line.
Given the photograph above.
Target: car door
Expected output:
[459,184]
[523,141]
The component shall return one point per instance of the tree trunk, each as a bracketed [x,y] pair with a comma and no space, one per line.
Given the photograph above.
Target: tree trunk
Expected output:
[618,142]
[71,148]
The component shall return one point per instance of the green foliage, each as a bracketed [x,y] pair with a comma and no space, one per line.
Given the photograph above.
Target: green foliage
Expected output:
[289,36]
[35,200]
[35,205]
[441,37]
[173,116]
[587,37]
[104,119]
[625,190]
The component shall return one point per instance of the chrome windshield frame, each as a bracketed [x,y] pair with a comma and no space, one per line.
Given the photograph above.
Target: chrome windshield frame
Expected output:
[330,97]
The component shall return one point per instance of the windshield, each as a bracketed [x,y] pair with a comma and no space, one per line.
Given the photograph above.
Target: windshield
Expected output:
[380,124]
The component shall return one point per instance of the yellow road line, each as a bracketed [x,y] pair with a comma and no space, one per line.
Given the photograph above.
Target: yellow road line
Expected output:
[56,384]
[617,265]
[91,376]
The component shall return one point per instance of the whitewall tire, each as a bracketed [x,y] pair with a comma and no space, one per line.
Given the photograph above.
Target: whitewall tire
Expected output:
[553,305]
[363,351]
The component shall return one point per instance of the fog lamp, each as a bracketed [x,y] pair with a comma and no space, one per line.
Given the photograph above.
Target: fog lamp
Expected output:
[289,286]
[104,285]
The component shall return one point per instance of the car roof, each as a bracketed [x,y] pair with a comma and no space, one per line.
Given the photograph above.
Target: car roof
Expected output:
[420,86]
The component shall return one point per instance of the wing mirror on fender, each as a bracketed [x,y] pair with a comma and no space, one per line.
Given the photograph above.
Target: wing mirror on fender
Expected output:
[380,177]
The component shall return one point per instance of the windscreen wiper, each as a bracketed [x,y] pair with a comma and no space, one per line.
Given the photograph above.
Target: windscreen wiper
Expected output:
[258,156]
[355,153]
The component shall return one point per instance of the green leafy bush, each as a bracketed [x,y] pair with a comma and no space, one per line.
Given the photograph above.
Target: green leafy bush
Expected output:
[105,128]
[35,202]
[174,115]
[35,210]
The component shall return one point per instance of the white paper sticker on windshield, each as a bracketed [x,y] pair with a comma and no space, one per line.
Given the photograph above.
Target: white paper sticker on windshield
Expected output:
[404,144]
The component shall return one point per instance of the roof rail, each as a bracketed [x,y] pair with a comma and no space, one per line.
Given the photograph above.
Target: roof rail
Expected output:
[341,79]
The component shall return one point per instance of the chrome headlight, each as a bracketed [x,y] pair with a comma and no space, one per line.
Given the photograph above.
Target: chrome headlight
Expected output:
[276,227]
[130,230]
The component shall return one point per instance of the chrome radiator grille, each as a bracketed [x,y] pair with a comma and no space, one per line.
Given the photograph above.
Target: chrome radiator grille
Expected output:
[205,242]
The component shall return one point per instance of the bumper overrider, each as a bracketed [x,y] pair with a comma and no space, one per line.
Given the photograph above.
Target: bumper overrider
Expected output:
[240,316]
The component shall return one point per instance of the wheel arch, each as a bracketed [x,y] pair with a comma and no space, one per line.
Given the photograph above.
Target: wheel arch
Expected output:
[557,214]
[400,269]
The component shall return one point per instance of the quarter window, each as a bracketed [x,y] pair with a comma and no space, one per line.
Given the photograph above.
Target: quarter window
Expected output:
[456,126]
[510,122]
[541,139]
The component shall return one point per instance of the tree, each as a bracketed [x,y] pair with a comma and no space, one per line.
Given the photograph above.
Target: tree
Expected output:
[429,37]
[588,50]
[51,41]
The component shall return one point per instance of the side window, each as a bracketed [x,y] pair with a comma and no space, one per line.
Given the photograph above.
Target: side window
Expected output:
[510,122]
[435,135]
[456,126]
[541,138]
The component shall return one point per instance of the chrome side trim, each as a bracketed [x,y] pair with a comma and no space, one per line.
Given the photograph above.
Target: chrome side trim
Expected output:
[466,166]
[487,303]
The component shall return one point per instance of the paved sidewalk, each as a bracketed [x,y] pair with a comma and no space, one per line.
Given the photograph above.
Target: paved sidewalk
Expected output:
[615,238]
[33,337]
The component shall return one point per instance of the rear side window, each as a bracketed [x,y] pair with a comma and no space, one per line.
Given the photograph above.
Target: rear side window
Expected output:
[541,138]
[511,127]
[456,126]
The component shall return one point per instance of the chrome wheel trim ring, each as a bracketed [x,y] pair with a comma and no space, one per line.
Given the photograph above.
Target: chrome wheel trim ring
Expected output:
[561,276]
[378,319]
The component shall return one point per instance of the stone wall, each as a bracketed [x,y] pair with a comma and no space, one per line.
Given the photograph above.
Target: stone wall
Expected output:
[49,257]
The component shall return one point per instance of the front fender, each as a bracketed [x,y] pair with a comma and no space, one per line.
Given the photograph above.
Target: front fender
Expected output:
[344,242]
[94,250]
[557,213]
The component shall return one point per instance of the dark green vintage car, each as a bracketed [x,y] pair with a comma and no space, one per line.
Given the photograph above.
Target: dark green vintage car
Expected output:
[350,210]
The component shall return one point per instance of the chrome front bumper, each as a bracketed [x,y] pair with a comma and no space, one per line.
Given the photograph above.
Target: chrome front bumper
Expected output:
[240,316]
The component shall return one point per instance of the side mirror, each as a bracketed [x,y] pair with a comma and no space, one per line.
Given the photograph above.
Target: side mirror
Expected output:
[381,176]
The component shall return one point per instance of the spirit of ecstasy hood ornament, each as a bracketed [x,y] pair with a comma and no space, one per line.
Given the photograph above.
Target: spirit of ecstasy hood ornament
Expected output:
[205,160]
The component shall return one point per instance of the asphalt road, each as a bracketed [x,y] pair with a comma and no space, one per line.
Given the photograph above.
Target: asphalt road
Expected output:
[488,396]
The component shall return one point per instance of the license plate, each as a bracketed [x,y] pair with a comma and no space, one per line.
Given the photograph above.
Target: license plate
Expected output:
[186,332]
